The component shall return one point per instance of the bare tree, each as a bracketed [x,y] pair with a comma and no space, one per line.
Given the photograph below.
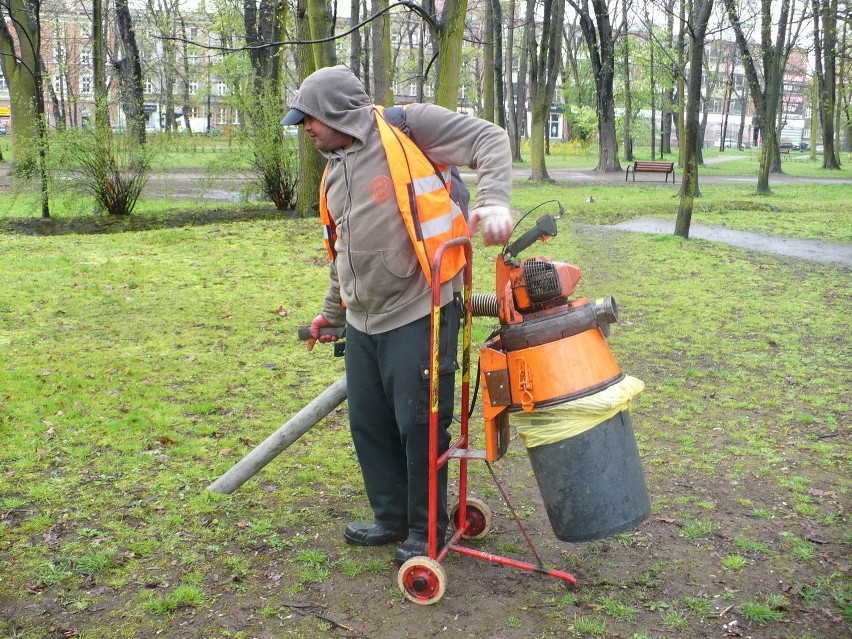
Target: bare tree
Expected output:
[545,66]
[825,54]
[129,69]
[766,90]
[600,41]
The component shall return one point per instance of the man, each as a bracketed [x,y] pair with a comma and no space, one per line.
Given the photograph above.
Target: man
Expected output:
[385,214]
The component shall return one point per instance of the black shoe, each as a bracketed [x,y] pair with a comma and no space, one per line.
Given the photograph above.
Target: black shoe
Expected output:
[372,535]
[414,546]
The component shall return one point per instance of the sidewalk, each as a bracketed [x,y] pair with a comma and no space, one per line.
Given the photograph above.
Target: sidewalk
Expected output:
[812,250]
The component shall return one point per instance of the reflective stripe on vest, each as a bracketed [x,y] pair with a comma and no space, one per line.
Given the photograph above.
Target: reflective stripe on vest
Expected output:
[422,191]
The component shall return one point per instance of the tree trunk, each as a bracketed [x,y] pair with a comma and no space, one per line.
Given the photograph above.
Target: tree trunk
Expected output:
[499,95]
[825,45]
[743,113]
[765,100]
[773,94]
[99,68]
[56,106]
[488,65]
[355,38]
[628,106]
[130,73]
[381,50]
[319,23]
[19,62]
[544,71]
[652,74]
[450,37]
[681,87]
[599,40]
[311,163]
[689,184]
[667,100]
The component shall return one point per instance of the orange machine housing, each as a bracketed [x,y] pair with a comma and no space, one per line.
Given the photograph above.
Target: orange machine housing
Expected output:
[561,366]
[538,377]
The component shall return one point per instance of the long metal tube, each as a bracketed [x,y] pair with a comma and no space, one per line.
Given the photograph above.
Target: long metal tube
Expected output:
[280,440]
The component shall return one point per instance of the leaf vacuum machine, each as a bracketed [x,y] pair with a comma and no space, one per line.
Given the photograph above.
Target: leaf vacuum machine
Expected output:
[548,374]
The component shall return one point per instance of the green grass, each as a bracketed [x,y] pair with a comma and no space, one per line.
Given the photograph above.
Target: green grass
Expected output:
[138,367]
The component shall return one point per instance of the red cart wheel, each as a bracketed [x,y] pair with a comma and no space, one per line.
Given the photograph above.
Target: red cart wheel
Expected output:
[478,517]
[422,580]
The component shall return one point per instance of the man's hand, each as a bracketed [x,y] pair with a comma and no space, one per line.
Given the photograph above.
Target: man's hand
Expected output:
[318,323]
[496,223]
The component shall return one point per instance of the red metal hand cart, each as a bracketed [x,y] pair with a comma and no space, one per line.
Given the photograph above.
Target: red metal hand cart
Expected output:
[422,579]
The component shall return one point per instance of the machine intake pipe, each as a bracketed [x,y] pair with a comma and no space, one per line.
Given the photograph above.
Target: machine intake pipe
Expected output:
[484,305]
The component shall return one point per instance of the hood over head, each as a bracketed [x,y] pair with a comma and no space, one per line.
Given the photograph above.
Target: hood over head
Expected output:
[335,97]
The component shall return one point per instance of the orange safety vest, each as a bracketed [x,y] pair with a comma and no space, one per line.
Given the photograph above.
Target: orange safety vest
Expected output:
[423,196]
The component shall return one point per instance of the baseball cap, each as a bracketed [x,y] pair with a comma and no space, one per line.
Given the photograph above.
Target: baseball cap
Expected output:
[293,117]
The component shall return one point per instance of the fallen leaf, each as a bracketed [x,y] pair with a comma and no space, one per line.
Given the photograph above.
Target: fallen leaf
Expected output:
[816,492]
[165,441]
[665,520]
[281,311]
[243,523]
[34,589]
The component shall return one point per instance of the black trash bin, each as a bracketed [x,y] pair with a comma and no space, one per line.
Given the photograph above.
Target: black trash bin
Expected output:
[592,483]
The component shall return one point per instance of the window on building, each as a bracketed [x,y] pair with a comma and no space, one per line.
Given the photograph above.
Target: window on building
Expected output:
[149,85]
[85,84]
[4,88]
[553,126]
[86,57]
[58,84]
[221,88]
[193,87]
[222,117]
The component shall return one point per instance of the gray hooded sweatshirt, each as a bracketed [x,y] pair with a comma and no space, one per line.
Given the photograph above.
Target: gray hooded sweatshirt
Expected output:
[376,273]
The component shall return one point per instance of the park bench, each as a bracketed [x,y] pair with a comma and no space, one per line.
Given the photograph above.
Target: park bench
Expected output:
[651,167]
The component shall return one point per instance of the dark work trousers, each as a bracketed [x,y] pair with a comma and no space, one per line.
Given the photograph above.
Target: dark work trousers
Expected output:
[387,381]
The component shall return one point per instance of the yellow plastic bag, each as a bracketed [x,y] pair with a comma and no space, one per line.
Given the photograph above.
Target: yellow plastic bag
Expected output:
[551,425]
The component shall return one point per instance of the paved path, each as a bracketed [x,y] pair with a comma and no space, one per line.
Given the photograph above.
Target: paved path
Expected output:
[815,251]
